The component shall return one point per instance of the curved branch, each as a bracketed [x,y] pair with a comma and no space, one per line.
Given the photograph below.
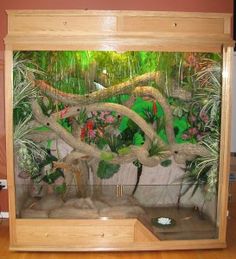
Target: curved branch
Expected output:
[144,158]
[62,132]
[187,152]
[74,99]
[147,91]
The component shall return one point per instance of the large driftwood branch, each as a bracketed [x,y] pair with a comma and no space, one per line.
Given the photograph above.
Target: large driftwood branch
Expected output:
[41,136]
[81,146]
[181,152]
[75,99]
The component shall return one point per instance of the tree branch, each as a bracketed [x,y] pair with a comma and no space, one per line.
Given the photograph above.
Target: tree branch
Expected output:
[75,99]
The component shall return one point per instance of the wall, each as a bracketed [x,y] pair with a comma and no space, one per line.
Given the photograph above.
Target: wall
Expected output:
[233,135]
[221,6]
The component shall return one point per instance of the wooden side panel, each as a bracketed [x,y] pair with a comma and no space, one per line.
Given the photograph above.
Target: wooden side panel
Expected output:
[9,139]
[225,142]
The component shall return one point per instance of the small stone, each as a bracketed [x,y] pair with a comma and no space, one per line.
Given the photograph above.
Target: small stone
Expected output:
[73,213]
[34,214]
[80,203]
[49,202]
[100,205]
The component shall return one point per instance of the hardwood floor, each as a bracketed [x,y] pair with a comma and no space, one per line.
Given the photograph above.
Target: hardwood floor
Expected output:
[228,253]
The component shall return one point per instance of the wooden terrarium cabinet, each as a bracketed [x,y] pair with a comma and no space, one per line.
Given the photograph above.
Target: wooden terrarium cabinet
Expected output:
[117,128]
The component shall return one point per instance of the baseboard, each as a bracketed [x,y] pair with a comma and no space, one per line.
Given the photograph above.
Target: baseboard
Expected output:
[4,214]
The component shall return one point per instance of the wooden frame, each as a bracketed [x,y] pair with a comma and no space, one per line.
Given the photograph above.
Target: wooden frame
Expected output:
[120,31]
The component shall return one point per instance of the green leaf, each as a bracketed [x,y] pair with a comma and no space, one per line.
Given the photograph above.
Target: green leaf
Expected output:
[106,170]
[60,188]
[82,116]
[106,156]
[53,176]
[166,163]
[48,160]
[124,151]
[138,139]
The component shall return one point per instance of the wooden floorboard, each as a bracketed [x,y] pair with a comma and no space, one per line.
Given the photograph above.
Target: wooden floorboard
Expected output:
[228,253]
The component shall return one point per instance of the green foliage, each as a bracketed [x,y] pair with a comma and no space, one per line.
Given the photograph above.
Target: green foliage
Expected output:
[106,156]
[60,189]
[48,159]
[75,72]
[138,139]
[23,74]
[51,177]
[157,150]
[47,105]
[202,172]
[106,170]
[166,163]
[124,151]
[82,116]
[137,164]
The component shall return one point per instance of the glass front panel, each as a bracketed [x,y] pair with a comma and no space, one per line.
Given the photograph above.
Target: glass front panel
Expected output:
[102,134]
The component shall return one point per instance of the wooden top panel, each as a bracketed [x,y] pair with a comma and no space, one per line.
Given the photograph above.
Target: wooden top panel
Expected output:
[121,30]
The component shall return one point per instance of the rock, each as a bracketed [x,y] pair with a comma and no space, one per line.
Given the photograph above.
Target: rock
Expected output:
[29,203]
[80,203]
[100,205]
[71,202]
[121,212]
[49,202]
[34,214]
[67,212]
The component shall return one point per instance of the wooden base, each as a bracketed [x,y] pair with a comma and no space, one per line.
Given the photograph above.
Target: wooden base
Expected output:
[95,235]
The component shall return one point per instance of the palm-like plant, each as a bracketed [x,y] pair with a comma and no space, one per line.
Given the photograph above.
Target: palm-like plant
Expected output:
[203,171]
[27,151]
[208,92]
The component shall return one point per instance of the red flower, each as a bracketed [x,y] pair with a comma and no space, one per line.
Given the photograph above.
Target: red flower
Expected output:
[154,108]
[64,112]
[90,125]
[83,133]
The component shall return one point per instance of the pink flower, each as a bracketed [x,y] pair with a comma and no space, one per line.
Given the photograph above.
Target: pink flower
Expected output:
[193,131]
[102,115]
[92,133]
[204,117]
[199,137]
[192,118]
[94,113]
[185,136]
[109,119]
[64,111]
